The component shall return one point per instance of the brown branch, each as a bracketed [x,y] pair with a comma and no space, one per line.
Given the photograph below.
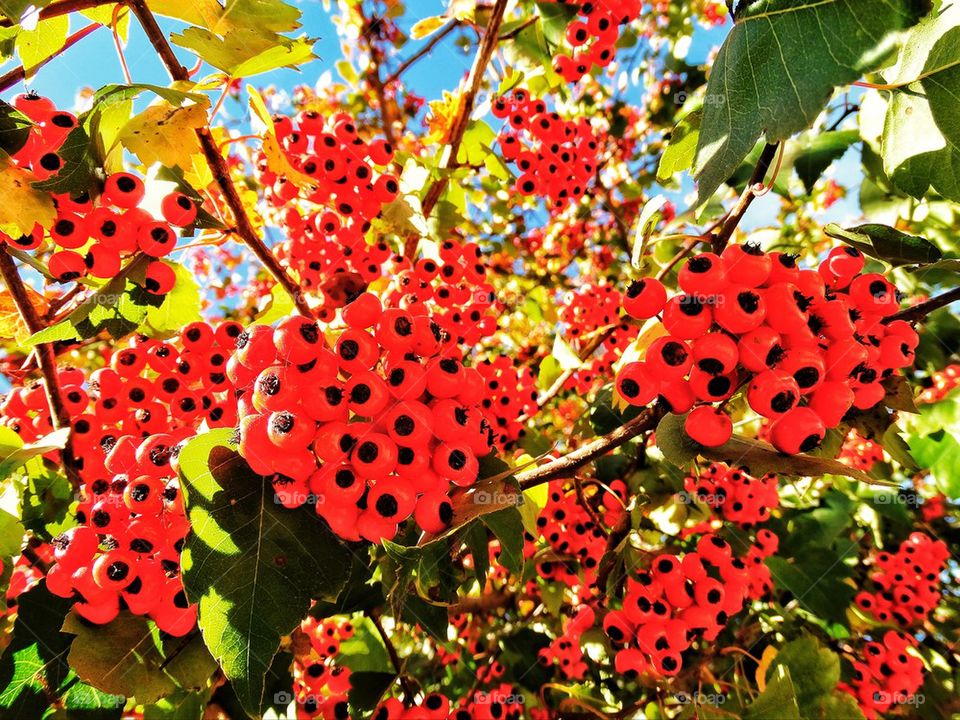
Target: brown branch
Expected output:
[564,467]
[408,690]
[218,165]
[474,80]
[62,8]
[47,359]
[921,310]
[746,198]
[422,52]
[482,603]
[19,74]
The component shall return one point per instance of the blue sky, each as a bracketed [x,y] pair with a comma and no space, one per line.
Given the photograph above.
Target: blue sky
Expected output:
[93,63]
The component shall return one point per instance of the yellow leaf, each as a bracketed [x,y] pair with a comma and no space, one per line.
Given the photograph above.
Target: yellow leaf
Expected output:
[427,26]
[440,119]
[22,206]
[769,653]
[204,13]
[165,134]
[11,324]
[276,158]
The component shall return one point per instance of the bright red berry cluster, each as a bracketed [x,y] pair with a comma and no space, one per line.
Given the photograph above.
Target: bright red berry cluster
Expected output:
[571,531]
[589,308]
[557,158]
[94,236]
[680,599]
[734,494]
[859,452]
[890,675]
[126,552]
[564,651]
[320,684]
[907,582]
[374,431]
[511,393]
[592,37]
[810,345]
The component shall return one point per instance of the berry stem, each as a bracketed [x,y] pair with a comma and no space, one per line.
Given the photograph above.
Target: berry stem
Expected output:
[564,467]
[218,165]
[921,310]
[748,195]
[484,52]
[46,358]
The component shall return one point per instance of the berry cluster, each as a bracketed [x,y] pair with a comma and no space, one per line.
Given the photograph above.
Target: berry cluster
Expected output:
[890,676]
[320,685]
[149,387]
[810,345]
[589,308]
[570,530]
[95,237]
[565,652]
[907,581]
[593,36]
[734,494]
[557,158]
[127,549]
[940,384]
[374,431]
[343,176]
[859,452]
[511,393]
[681,599]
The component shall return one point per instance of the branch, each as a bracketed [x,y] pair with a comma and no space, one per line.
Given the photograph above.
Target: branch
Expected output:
[474,80]
[218,165]
[62,8]
[564,467]
[408,690]
[59,417]
[921,310]
[482,603]
[746,198]
[19,74]
[422,52]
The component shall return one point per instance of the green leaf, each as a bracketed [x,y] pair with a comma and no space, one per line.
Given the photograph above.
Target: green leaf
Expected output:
[13,453]
[33,670]
[251,564]
[279,306]
[180,306]
[886,243]
[777,701]
[14,128]
[672,440]
[554,18]
[432,618]
[290,54]
[116,93]
[177,706]
[366,688]
[817,580]
[507,525]
[679,153]
[246,51]
[820,152]
[128,657]
[364,651]
[778,67]
[35,46]
[475,538]
[921,137]
[78,173]
[814,670]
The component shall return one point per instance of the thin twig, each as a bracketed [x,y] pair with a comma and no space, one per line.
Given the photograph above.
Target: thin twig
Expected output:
[422,52]
[565,466]
[921,310]
[218,165]
[408,690]
[746,198]
[62,8]
[462,118]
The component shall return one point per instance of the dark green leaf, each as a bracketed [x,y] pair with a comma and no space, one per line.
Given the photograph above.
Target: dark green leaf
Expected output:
[887,244]
[366,688]
[78,173]
[672,440]
[820,152]
[817,581]
[554,18]
[777,701]
[507,525]
[14,128]
[251,564]
[778,67]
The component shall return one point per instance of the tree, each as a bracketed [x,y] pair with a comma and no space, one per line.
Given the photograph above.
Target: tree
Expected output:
[510,399]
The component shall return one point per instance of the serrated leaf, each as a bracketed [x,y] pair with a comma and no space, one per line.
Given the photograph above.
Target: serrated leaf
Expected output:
[886,243]
[46,39]
[776,702]
[778,67]
[127,657]
[819,152]
[680,151]
[23,206]
[78,172]
[817,580]
[14,128]
[921,136]
[165,134]
[251,564]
